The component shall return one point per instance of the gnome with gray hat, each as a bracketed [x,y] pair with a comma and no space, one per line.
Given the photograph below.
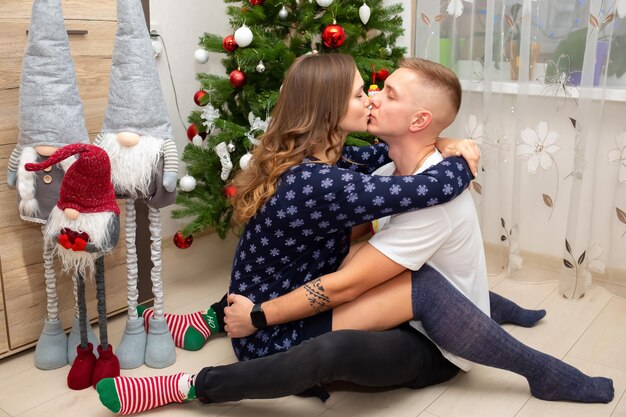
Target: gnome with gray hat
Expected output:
[137,136]
[50,116]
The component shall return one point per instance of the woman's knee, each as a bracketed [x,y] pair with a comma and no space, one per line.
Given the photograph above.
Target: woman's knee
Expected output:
[333,352]
[332,346]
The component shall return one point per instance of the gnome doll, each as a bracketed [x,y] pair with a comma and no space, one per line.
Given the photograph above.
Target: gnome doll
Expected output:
[82,227]
[137,135]
[50,116]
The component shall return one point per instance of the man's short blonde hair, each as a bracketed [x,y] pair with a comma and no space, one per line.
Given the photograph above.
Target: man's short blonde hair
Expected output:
[438,76]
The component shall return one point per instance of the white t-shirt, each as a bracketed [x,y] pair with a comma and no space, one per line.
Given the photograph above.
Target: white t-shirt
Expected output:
[447,237]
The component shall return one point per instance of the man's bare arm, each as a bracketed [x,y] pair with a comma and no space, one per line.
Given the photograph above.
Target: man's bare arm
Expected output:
[367,269]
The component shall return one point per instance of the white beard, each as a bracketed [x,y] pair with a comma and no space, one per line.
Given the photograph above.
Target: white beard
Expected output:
[132,168]
[96,225]
[29,206]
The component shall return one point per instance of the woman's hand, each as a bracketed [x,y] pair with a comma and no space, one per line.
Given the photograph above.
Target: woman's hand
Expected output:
[237,322]
[467,148]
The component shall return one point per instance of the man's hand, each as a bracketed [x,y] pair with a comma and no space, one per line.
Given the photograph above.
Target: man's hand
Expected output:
[237,322]
[467,148]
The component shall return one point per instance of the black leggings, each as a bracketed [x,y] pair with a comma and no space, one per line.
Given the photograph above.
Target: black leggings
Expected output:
[392,358]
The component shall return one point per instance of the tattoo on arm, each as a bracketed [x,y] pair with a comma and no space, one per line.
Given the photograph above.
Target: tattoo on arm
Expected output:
[318,300]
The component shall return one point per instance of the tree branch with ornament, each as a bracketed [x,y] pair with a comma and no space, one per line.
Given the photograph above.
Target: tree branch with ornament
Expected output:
[233,108]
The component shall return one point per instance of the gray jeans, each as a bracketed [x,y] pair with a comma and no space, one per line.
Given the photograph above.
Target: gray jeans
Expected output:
[400,357]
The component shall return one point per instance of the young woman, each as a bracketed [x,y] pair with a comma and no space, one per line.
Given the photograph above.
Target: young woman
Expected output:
[305,191]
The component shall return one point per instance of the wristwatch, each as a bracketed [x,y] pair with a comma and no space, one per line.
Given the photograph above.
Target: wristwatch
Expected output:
[257,315]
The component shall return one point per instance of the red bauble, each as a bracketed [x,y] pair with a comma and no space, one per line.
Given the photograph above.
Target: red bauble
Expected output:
[256,2]
[333,36]
[382,74]
[199,98]
[192,131]
[229,43]
[230,191]
[237,78]
[181,241]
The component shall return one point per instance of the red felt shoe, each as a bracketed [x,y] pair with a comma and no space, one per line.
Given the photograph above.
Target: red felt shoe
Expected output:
[107,365]
[81,373]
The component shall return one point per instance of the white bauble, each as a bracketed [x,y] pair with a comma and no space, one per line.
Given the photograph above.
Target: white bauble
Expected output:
[197,140]
[324,3]
[260,68]
[243,36]
[364,13]
[244,161]
[283,13]
[187,183]
[201,56]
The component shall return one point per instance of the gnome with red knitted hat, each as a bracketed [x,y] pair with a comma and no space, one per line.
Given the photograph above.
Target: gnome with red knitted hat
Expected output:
[82,227]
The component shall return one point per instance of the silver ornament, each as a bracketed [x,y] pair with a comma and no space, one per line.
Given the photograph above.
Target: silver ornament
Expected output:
[324,3]
[260,67]
[283,13]
[209,114]
[187,183]
[256,123]
[230,147]
[388,50]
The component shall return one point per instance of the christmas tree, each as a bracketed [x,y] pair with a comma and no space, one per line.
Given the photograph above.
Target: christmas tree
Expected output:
[268,35]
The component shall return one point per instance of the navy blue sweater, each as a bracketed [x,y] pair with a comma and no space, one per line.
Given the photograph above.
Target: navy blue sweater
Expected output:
[303,231]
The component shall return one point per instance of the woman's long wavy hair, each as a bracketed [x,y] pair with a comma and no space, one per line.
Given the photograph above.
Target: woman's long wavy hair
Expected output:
[313,99]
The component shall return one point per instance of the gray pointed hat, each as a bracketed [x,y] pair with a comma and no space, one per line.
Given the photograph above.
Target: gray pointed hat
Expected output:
[50,109]
[136,102]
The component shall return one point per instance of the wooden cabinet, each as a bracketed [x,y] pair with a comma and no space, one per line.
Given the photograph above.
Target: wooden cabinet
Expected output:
[4,340]
[22,293]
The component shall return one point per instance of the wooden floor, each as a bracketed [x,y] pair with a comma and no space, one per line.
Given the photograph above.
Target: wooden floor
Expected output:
[589,334]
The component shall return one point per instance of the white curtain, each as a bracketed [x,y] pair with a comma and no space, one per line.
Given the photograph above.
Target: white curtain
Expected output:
[545,97]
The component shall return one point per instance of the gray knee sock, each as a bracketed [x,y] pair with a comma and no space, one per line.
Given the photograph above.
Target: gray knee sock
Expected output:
[504,310]
[457,325]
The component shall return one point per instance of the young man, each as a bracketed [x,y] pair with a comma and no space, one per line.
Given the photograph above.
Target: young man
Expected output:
[409,118]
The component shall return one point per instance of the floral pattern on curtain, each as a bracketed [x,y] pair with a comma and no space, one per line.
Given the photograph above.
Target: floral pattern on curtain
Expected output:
[545,98]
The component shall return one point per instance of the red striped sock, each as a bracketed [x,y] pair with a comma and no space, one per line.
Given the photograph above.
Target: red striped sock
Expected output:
[126,395]
[189,331]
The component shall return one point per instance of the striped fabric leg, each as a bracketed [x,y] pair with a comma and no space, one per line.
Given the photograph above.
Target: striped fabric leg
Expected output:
[127,395]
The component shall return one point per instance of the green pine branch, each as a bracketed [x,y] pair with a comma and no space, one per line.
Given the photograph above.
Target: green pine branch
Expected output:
[276,44]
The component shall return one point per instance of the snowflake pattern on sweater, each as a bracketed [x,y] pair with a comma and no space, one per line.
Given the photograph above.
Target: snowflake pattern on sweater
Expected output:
[303,231]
